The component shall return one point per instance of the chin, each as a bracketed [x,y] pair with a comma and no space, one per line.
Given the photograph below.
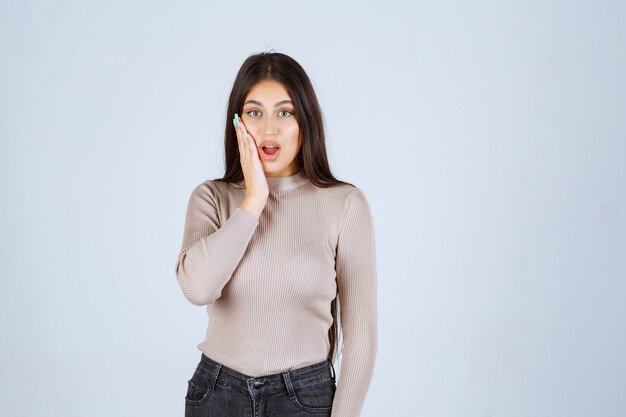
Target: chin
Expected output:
[272,170]
[275,169]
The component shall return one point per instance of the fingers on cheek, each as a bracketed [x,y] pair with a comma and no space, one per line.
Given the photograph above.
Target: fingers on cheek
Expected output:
[243,146]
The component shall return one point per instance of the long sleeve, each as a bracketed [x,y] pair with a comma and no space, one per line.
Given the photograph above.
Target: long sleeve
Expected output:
[210,253]
[355,264]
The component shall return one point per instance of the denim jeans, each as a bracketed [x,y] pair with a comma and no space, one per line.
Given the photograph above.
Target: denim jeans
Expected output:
[216,390]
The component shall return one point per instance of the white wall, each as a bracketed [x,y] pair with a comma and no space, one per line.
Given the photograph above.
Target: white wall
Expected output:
[488,137]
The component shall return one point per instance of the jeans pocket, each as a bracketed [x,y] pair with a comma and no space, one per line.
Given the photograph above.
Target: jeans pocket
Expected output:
[198,389]
[317,397]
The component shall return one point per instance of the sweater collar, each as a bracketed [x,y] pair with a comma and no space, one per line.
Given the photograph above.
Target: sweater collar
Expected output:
[286,183]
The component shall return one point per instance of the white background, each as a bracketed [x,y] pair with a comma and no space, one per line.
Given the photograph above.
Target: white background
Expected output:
[487,136]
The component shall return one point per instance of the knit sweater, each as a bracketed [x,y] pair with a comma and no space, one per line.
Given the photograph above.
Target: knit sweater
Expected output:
[268,283]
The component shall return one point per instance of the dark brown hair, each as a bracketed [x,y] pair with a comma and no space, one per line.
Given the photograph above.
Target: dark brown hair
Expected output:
[312,158]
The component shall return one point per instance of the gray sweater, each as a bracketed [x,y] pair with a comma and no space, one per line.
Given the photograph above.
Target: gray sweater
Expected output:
[268,282]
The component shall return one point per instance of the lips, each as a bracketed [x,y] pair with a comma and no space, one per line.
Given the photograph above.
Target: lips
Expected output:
[269,143]
[269,150]
[270,147]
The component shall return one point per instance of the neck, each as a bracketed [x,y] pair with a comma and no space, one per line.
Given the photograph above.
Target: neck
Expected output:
[286,183]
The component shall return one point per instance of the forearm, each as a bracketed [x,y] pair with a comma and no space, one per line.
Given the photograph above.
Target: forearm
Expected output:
[203,269]
[357,367]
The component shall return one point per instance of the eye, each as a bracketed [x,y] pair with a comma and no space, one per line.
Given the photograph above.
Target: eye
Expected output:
[286,111]
[252,111]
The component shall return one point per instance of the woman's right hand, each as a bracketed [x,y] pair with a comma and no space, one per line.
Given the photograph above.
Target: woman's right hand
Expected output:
[257,189]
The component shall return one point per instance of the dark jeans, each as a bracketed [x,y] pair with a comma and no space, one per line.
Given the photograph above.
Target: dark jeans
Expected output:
[216,390]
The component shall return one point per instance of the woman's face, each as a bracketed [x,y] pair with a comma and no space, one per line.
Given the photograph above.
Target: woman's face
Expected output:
[268,114]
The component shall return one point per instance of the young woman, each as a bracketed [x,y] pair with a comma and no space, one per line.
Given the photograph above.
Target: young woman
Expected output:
[274,249]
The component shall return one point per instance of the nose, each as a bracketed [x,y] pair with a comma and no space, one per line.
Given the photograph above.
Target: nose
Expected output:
[270,127]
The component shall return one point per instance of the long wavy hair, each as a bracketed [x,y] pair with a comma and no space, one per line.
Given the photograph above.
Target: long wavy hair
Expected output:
[312,157]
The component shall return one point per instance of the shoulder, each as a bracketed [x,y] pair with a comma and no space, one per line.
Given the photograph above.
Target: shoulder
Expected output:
[347,199]
[215,192]
[204,191]
[216,187]
[350,196]
[340,192]
[356,211]
[357,203]
[209,191]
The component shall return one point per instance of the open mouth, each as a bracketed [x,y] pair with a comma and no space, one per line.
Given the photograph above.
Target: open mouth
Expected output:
[270,150]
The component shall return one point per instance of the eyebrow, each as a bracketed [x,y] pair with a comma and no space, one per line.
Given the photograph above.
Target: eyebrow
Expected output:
[261,104]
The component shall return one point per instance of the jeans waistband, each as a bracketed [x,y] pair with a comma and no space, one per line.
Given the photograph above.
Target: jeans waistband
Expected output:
[296,378]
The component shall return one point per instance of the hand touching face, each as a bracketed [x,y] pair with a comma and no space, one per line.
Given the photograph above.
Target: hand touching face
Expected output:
[254,177]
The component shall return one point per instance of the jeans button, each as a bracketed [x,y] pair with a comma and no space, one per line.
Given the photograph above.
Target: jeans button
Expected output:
[258,384]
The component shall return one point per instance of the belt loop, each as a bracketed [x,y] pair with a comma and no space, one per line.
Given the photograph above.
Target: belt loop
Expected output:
[332,367]
[292,393]
[216,373]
